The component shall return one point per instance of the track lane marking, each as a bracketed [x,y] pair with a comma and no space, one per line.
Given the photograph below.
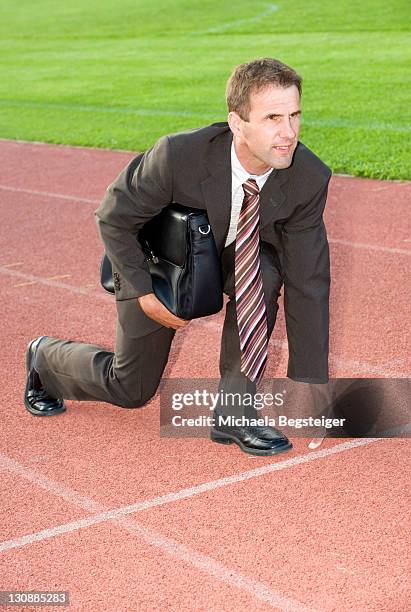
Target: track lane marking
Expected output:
[361,367]
[154,538]
[32,279]
[72,496]
[369,247]
[355,245]
[48,194]
[28,143]
[26,284]
[58,276]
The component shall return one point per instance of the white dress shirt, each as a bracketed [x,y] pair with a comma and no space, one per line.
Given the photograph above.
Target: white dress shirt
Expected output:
[238,177]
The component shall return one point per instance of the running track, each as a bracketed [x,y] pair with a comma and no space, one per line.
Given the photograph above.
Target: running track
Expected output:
[95,503]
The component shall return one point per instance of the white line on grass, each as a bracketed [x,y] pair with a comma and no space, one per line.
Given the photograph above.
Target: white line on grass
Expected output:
[216,116]
[57,196]
[271,8]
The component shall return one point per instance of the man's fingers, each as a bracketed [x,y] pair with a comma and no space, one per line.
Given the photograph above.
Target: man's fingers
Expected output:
[177,323]
[172,320]
[154,309]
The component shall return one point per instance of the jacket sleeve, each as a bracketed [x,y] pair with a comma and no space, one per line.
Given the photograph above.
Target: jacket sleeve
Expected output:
[306,290]
[139,193]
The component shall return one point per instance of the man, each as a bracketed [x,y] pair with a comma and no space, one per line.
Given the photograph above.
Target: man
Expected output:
[264,193]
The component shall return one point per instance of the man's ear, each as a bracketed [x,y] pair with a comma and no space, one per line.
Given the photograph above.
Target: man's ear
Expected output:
[234,121]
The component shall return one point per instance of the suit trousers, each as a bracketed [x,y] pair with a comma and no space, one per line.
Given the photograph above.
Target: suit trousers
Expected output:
[130,376]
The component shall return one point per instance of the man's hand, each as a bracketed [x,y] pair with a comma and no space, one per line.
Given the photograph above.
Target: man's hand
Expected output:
[154,309]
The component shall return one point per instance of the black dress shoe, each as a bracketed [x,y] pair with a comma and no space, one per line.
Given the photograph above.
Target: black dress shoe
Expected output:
[256,440]
[36,399]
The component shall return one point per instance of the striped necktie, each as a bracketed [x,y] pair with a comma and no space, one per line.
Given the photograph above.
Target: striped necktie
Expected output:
[249,294]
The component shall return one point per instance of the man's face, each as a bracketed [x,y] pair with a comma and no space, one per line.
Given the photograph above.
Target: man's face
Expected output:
[269,137]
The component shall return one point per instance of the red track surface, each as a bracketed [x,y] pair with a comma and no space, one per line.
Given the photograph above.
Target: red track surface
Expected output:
[323,530]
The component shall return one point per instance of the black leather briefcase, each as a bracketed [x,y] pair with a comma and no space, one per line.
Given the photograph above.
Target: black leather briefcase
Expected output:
[183,261]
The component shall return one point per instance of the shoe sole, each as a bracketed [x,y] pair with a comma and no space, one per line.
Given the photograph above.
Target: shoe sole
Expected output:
[220,438]
[26,403]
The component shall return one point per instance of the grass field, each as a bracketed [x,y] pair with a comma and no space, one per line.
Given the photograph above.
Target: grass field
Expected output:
[119,74]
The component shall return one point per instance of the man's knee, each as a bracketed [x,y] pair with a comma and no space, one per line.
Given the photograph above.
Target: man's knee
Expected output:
[137,400]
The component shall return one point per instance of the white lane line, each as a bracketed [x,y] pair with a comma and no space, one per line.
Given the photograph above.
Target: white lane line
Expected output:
[358,366]
[25,284]
[352,364]
[207,564]
[57,196]
[369,247]
[85,149]
[367,368]
[47,194]
[154,538]
[201,561]
[52,486]
[58,276]
[32,475]
[32,279]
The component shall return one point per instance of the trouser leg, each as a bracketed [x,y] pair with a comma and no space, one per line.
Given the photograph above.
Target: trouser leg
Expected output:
[128,377]
[232,380]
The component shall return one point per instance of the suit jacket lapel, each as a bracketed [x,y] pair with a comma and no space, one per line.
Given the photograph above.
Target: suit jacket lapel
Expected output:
[271,197]
[216,187]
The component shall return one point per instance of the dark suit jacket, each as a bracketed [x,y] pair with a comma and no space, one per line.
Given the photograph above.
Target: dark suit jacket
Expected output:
[194,169]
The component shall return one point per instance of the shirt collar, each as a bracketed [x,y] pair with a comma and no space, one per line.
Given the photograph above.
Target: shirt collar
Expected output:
[241,174]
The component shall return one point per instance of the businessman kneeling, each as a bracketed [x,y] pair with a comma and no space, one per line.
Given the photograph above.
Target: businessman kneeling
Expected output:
[265,193]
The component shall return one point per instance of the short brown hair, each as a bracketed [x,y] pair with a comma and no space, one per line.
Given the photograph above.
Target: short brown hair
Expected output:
[253,76]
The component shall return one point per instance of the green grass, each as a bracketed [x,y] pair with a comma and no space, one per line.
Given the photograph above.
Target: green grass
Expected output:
[121,74]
